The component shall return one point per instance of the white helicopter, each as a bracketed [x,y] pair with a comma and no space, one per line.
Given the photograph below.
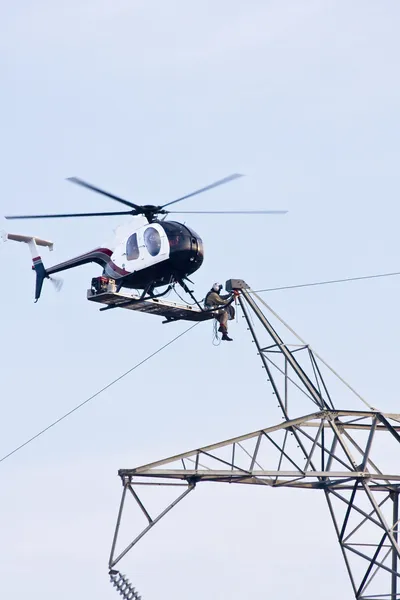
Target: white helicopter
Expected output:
[157,254]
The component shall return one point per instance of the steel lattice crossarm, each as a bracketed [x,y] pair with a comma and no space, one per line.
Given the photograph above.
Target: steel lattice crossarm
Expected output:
[352,456]
[328,448]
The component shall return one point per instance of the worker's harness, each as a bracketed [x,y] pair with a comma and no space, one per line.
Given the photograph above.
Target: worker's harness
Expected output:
[219,308]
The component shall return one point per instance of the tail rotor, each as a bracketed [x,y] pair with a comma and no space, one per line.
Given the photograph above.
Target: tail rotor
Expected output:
[57,282]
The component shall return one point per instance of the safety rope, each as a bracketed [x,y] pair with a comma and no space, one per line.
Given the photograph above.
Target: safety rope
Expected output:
[216,340]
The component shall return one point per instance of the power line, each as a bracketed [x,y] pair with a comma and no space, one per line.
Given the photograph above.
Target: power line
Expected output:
[97,393]
[290,287]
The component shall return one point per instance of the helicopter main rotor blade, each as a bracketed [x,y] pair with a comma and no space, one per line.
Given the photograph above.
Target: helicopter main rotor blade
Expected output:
[99,214]
[89,186]
[227,212]
[208,187]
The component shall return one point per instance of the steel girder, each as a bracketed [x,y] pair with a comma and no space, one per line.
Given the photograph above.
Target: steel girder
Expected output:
[335,451]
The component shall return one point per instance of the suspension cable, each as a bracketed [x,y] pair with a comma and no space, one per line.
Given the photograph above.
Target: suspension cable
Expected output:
[301,285]
[97,393]
[317,355]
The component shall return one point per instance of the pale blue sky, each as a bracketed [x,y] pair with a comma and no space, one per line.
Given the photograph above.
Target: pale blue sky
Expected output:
[151,100]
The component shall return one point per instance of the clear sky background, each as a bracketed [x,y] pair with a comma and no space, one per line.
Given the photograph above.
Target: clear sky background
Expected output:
[151,100]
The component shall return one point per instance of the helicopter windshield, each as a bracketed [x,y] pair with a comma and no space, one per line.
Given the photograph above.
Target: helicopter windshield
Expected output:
[177,235]
[186,247]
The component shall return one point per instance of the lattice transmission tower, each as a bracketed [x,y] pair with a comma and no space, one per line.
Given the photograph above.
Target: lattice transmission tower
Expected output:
[351,456]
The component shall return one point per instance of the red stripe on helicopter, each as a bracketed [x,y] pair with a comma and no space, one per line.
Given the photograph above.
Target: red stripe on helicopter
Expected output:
[118,269]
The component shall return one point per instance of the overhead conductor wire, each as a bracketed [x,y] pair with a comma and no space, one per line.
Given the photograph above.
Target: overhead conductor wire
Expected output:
[139,364]
[301,285]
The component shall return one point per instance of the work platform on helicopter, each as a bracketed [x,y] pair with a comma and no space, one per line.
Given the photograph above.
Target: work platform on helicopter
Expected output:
[172,311]
[104,291]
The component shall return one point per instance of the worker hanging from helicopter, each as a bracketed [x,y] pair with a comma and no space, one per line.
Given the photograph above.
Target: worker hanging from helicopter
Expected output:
[226,311]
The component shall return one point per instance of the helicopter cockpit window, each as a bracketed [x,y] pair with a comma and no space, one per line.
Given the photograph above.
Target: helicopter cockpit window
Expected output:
[174,233]
[132,248]
[152,239]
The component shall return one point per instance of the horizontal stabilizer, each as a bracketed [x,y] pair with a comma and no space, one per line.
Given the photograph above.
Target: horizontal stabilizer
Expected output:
[16,237]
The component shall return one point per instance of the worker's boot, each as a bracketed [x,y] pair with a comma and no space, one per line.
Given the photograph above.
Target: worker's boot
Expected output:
[226,338]
[224,331]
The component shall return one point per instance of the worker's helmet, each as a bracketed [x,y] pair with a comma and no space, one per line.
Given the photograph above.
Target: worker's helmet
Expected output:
[217,287]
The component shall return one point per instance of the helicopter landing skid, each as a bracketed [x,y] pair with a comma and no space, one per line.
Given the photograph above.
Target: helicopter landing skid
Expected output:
[151,305]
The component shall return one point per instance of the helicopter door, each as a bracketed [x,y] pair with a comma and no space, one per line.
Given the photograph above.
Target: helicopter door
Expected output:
[132,248]
[127,255]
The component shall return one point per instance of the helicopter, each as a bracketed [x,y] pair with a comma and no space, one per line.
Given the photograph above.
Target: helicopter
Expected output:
[160,253]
